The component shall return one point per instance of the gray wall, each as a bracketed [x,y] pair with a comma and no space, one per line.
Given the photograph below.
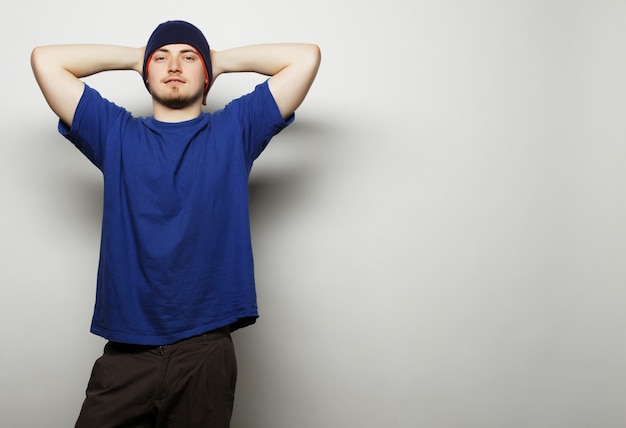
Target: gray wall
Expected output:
[439,238]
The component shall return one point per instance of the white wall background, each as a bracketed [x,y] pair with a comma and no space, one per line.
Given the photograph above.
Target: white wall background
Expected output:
[439,238]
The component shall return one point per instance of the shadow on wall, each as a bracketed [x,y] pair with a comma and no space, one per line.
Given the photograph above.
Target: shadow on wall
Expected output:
[56,181]
[284,175]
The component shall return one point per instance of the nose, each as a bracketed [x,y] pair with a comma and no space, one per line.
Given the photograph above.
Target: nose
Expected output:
[174,65]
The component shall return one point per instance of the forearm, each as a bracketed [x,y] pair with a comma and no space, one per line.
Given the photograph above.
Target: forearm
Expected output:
[85,60]
[267,59]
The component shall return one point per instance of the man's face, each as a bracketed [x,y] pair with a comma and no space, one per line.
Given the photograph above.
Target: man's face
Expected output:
[176,76]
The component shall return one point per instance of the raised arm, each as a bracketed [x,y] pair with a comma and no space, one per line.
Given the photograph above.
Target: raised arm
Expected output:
[58,70]
[292,68]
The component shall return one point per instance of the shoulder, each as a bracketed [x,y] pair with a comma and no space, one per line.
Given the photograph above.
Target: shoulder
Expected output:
[92,96]
[257,105]
[95,116]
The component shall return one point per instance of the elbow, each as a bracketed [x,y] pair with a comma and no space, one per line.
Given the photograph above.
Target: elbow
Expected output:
[315,53]
[34,56]
[37,52]
[311,57]
[37,58]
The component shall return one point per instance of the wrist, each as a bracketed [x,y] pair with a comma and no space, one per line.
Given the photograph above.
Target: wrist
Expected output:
[216,63]
[139,57]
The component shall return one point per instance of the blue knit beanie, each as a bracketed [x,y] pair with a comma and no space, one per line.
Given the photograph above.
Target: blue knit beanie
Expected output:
[173,32]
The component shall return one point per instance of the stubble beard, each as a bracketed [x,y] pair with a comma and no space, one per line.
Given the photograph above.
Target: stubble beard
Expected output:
[176,101]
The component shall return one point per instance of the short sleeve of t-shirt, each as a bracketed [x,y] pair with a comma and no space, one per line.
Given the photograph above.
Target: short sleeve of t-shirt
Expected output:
[94,118]
[259,118]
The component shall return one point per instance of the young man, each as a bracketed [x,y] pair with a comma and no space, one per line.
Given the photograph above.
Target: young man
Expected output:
[175,275]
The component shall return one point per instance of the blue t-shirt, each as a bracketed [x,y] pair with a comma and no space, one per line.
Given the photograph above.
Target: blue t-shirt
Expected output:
[176,253]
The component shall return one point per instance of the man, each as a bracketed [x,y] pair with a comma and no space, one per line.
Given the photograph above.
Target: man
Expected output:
[175,275]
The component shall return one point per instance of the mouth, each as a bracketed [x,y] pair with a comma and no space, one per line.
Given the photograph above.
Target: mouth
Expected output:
[174,81]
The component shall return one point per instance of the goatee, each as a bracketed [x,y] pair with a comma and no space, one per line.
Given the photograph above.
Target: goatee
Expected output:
[177,101]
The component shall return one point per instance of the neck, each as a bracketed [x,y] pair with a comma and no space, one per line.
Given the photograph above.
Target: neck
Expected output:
[167,114]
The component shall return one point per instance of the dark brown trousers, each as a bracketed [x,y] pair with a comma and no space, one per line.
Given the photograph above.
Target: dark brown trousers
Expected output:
[187,384]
